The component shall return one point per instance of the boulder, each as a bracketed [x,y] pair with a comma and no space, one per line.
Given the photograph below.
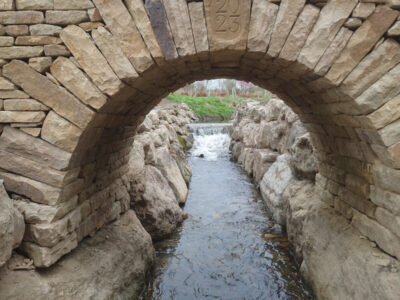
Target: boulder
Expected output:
[169,168]
[12,226]
[273,185]
[157,208]
[110,265]
[302,160]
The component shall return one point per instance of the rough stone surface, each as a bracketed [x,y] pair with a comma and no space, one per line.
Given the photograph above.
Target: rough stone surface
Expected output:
[77,83]
[120,23]
[126,256]
[261,25]
[12,226]
[42,89]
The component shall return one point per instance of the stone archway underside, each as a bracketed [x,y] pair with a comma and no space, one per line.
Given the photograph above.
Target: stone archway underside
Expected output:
[78,76]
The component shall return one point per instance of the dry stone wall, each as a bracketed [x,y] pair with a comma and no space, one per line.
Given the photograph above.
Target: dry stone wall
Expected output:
[77,77]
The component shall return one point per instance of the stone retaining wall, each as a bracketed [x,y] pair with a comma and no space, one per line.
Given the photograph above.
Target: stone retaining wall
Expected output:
[340,261]
[78,76]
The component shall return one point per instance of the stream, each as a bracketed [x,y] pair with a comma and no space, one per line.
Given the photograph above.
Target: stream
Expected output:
[229,247]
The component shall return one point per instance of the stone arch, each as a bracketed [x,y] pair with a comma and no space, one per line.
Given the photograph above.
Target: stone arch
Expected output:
[86,73]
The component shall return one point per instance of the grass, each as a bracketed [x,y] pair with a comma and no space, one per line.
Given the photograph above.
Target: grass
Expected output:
[211,107]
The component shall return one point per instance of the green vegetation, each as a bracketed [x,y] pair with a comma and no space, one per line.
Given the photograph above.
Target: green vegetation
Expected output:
[211,107]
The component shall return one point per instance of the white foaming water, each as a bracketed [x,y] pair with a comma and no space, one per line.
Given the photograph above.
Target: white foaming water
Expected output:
[211,141]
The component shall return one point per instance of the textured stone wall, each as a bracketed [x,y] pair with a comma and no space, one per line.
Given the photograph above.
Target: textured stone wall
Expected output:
[78,76]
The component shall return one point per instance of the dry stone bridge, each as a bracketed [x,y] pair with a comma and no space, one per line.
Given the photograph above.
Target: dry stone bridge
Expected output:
[78,76]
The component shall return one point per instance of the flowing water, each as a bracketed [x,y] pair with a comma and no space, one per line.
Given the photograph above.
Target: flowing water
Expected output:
[229,247]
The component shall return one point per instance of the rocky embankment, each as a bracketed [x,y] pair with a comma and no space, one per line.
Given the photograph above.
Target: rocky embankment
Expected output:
[338,261]
[112,263]
[160,172]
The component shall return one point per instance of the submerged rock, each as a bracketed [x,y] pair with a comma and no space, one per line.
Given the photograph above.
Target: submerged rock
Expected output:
[110,265]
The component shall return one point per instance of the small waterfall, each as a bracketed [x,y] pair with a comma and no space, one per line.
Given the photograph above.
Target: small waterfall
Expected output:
[211,141]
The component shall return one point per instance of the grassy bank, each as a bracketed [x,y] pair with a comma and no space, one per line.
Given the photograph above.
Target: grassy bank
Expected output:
[211,108]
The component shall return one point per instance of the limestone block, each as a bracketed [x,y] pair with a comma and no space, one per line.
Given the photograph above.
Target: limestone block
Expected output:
[298,35]
[361,42]
[56,50]
[109,46]
[142,21]
[45,257]
[89,26]
[263,16]
[33,131]
[21,17]
[372,68]
[353,23]
[199,27]
[361,204]
[387,178]
[20,143]
[230,31]
[38,213]
[6,85]
[17,30]
[6,4]
[388,220]
[6,41]
[40,64]
[94,15]
[386,240]
[394,30]
[386,114]
[18,52]
[77,83]
[159,22]
[363,10]
[34,4]
[263,159]
[45,234]
[386,199]
[91,60]
[68,17]
[333,51]
[24,105]
[60,132]
[21,117]
[42,89]
[120,23]
[13,94]
[36,40]
[391,133]
[331,19]
[179,21]
[287,15]
[44,29]
[72,4]
[36,191]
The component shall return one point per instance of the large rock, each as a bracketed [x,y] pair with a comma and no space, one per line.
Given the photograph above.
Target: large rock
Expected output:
[110,265]
[273,185]
[157,208]
[303,161]
[12,226]
[169,168]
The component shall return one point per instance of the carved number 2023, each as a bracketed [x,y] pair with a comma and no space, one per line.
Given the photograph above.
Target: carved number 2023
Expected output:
[228,16]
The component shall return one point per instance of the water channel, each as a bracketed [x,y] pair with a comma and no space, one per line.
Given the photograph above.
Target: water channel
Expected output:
[229,247]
